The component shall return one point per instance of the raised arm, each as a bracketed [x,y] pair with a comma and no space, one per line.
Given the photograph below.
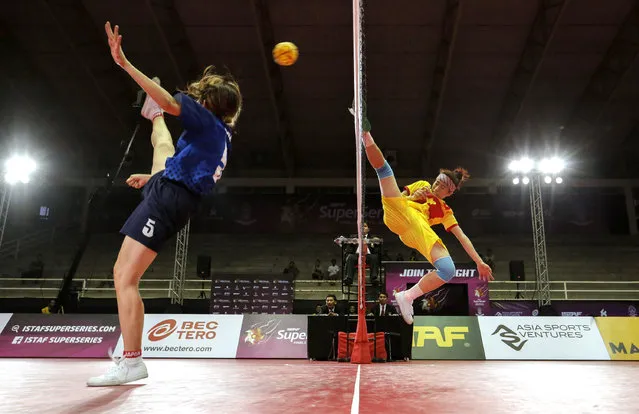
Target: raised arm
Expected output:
[155,91]
[485,273]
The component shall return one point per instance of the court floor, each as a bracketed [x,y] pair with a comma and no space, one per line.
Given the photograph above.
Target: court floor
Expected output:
[300,386]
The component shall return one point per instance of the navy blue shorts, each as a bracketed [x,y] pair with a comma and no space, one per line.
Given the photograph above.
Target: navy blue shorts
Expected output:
[166,208]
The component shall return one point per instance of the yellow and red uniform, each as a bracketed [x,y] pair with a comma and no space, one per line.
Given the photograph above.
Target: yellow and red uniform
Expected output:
[412,221]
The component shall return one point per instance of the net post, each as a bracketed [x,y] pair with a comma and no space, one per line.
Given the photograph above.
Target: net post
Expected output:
[361,351]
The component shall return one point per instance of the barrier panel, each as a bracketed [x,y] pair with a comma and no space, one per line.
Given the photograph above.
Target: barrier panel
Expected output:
[286,336]
[4,318]
[59,336]
[273,336]
[446,337]
[189,336]
[621,337]
[164,336]
[544,338]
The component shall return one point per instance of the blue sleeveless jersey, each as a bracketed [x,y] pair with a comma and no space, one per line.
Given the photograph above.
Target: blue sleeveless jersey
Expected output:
[202,150]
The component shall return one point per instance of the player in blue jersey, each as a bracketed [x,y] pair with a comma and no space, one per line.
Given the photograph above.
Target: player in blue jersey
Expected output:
[172,192]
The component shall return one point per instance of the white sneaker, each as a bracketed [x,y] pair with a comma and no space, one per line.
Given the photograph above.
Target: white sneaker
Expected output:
[151,109]
[121,373]
[405,307]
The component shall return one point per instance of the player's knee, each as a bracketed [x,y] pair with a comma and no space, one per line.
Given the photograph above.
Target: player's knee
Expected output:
[445,268]
[384,171]
[123,276]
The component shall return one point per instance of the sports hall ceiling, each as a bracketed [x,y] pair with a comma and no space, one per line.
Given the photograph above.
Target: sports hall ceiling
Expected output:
[449,82]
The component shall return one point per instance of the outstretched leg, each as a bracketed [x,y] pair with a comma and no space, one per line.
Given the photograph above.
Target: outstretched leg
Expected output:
[387,183]
[162,144]
[160,139]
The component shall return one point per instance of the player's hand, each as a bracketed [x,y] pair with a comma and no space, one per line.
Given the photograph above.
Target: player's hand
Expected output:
[485,272]
[115,43]
[421,195]
[138,180]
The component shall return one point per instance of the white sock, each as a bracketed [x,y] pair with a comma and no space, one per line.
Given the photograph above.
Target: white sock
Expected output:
[133,361]
[414,292]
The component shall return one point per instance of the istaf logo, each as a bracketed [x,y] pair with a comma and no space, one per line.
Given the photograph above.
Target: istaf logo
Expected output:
[187,330]
[510,337]
[442,339]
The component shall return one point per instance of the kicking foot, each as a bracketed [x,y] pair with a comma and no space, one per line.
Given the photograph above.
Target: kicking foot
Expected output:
[138,180]
[405,307]
[151,109]
[123,372]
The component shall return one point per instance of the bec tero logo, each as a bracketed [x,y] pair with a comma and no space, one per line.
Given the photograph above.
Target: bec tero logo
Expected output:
[187,330]
[162,330]
[443,340]
[510,337]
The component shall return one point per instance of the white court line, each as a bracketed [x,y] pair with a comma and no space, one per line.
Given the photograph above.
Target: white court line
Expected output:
[355,404]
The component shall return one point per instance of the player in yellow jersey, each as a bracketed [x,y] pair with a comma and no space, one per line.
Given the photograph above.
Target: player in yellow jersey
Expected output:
[411,213]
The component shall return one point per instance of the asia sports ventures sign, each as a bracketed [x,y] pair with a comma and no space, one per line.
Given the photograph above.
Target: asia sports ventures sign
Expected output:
[562,338]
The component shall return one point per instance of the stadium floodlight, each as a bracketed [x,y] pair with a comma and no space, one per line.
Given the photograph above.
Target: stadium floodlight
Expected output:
[19,168]
[523,165]
[552,165]
[533,171]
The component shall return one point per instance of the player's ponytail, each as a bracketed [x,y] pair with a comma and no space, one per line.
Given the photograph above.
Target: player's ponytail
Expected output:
[459,175]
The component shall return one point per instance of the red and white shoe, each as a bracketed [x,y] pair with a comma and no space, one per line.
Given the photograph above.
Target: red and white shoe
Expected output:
[151,109]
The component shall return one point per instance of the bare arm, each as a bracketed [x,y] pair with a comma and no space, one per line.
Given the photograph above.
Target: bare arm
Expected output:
[466,244]
[167,102]
[485,273]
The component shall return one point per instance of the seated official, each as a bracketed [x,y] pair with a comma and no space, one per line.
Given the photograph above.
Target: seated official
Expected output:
[372,259]
[331,308]
[382,307]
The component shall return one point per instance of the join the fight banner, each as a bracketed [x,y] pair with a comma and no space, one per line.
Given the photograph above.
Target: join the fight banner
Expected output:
[402,275]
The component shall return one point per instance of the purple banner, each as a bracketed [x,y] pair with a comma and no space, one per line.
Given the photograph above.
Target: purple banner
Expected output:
[400,274]
[59,336]
[273,336]
[565,308]
[251,294]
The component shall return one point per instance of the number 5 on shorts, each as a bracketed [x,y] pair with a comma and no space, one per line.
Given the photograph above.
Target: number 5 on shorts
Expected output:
[149,227]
